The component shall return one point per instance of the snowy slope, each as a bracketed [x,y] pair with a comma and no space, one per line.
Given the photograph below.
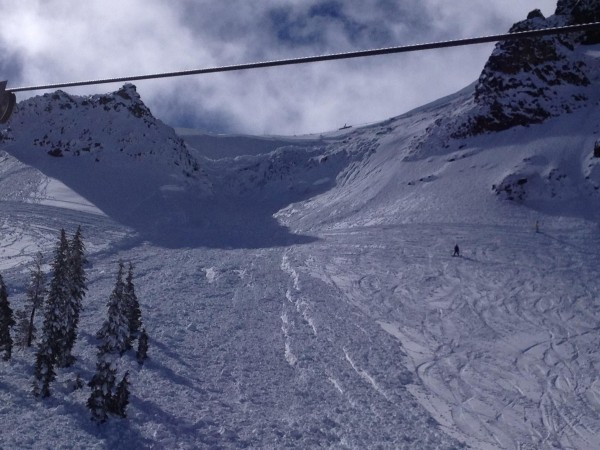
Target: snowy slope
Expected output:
[300,292]
[111,141]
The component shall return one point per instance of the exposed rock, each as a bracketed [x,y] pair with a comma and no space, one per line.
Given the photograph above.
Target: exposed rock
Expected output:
[535,14]
[528,80]
[588,12]
[101,127]
[565,7]
[512,187]
[579,12]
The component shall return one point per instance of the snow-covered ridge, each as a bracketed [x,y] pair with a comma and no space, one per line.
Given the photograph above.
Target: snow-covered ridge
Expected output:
[99,127]
[108,151]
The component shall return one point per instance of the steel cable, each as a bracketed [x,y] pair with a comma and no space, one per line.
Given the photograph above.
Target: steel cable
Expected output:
[328,57]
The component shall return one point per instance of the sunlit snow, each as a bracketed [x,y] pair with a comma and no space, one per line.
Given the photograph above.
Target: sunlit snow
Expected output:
[302,293]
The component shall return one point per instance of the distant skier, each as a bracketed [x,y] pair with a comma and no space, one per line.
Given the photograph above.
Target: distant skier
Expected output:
[537,226]
[456,251]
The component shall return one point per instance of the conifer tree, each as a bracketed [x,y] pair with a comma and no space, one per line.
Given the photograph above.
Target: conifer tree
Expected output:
[121,398]
[77,284]
[53,329]
[114,339]
[59,309]
[134,313]
[35,297]
[102,384]
[6,322]
[44,374]
[142,350]
[114,334]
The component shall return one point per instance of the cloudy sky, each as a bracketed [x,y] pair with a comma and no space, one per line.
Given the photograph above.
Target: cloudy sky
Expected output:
[52,41]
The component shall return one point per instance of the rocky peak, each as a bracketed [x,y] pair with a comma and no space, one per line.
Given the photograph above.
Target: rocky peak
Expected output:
[535,14]
[128,98]
[102,128]
[528,80]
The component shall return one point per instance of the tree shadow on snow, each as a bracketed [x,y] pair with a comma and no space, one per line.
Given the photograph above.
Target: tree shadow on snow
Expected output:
[202,433]
[167,351]
[116,432]
[169,374]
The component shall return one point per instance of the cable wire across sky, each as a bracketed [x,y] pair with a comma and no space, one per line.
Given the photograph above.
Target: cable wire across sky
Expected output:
[328,57]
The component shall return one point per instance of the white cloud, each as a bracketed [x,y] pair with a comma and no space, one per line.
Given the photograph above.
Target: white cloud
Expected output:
[60,40]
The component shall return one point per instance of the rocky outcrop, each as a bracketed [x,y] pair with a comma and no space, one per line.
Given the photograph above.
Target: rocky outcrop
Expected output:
[528,80]
[102,128]
[578,12]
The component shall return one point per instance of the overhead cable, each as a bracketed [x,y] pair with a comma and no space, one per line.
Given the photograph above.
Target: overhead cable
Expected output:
[328,57]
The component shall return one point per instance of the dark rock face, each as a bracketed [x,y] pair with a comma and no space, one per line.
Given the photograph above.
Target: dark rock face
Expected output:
[583,11]
[564,7]
[528,80]
[535,14]
[587,12]
[578,12]
[130,99]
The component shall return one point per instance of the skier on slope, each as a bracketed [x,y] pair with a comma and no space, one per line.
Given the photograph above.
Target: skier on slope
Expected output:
[456,251]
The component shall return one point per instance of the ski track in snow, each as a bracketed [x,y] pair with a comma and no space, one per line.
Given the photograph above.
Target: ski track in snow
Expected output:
[504,349]
[26,229]
[368,336]
[320,344]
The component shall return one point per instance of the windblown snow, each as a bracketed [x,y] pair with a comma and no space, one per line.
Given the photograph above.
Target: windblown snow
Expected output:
[301,292]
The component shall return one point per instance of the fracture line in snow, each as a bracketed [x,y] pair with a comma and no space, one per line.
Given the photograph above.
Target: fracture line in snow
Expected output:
[289,356]
[365,375]
[287,267]
[302,307]
[336,383]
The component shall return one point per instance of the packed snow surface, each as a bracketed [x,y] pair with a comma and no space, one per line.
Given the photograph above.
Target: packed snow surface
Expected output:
[310,299]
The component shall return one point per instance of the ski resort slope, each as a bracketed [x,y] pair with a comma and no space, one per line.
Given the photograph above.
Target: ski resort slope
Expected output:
[304,295]
[502,341]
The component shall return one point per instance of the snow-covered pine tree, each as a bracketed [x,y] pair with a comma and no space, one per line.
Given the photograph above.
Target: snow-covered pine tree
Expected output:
[114,333]
[6,322]
[142,350]
[44,374]
[53,329]
[114,341]
[121,398]
[78,287]
[134,312]
[35,296]
[102,384]
[59,312]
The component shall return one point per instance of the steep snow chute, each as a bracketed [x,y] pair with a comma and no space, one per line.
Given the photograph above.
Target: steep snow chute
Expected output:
[7,102]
